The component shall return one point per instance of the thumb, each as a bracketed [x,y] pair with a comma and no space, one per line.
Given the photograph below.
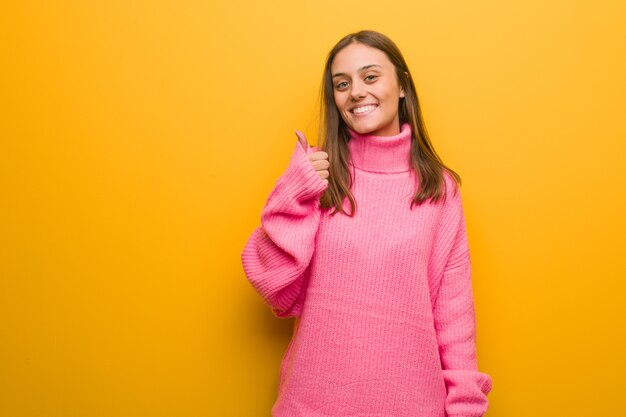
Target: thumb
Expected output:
[302,140]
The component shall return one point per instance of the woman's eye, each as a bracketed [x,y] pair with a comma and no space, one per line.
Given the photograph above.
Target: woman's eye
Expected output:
[373,77]
[342,84]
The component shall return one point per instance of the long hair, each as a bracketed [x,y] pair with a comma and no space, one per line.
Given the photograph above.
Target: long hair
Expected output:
[334,135]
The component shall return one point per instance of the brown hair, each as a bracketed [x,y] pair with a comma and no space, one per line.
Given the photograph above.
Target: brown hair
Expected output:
[334,134]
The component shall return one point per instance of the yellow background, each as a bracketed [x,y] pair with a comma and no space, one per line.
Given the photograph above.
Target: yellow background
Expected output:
[139,141]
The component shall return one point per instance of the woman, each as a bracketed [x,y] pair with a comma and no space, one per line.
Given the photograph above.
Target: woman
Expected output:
[364,243]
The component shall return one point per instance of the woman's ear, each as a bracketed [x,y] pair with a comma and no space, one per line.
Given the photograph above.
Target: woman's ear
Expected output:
[401,89]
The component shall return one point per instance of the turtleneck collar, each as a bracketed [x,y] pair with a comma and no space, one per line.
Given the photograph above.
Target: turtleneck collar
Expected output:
[381,153]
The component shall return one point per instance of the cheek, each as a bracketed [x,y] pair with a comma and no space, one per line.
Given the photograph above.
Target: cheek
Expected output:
[339,102]
[389,91]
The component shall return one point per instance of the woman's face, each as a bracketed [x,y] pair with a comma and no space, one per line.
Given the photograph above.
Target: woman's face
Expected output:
[366,90]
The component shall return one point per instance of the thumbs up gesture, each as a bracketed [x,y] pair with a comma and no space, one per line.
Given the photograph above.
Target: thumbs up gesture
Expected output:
[319,159]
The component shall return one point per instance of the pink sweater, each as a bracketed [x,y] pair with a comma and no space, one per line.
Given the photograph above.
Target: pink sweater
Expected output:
[385,322]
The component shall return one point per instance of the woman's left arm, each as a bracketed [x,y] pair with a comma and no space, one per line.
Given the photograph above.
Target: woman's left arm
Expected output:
[454,316]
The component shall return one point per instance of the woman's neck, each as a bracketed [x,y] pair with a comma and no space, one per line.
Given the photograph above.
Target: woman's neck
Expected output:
[381,153]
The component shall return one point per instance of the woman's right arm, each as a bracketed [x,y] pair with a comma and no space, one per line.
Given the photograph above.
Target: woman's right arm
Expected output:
[277,255]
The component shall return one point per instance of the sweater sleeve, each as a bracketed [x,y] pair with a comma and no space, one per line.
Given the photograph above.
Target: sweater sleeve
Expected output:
[454,316]
[277,254]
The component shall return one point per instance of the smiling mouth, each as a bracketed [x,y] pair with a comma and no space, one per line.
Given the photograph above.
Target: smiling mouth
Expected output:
[364,110]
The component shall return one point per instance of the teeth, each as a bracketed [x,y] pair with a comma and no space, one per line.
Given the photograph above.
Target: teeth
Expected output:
[363,109]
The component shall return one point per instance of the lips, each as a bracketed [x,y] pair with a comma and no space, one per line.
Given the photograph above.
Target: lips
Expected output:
[364,109]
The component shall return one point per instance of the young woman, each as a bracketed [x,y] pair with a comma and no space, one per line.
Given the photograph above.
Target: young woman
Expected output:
[364,243]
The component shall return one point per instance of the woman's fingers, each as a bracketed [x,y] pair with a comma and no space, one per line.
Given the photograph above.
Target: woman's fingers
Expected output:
[319,159]
[319,155]
[320,164]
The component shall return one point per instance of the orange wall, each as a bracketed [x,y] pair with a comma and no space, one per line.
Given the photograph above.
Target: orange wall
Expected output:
[141,139]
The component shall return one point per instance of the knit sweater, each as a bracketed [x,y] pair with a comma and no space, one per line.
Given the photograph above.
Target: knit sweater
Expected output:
[385,321]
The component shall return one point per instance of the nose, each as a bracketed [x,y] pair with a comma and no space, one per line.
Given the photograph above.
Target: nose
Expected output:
[358,90]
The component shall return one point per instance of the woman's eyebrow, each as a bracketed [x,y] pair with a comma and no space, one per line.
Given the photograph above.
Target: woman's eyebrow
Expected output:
[359,70]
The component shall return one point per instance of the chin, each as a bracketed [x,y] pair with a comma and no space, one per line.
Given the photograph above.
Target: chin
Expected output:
[362,128]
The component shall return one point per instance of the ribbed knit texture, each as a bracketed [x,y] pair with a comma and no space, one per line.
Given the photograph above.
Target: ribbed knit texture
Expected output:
[385,321]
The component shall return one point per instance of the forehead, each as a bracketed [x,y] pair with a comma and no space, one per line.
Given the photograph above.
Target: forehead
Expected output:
[356,55]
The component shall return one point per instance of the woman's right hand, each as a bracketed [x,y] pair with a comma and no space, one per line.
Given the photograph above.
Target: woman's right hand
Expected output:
[319,159]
